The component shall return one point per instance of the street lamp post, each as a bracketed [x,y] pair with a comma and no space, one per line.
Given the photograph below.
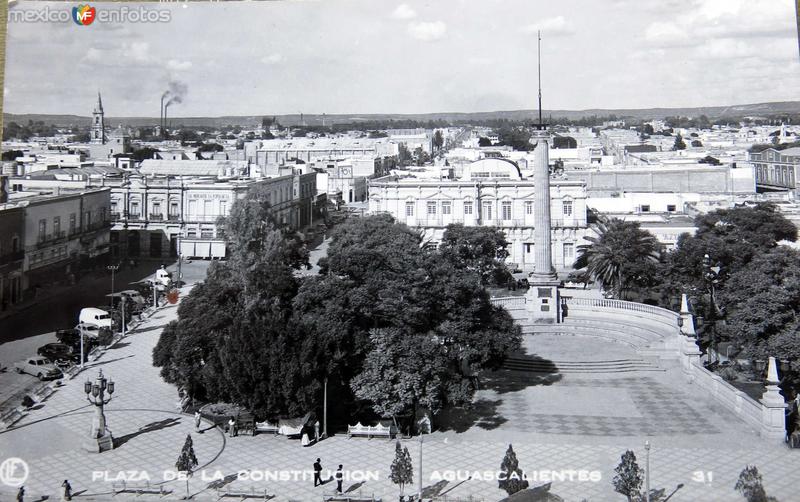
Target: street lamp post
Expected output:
[647,471]
[712,278]
[420,467]
[100,438]
[112,268]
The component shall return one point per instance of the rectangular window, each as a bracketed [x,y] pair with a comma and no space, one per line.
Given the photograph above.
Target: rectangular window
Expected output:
[223,208]
[72,223]
[173,209]
[528,207]
[87,223]
[409,209]
[42,230]
[645,208]
[431,208]
[671,207]
[567,207]
[446,209]
[468,208]
[192,208]
[569,253]
[506,208]
[487,210]
[208,210]
[56,226]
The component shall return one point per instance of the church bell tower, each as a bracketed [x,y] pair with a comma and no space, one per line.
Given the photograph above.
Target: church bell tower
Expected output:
[98,123]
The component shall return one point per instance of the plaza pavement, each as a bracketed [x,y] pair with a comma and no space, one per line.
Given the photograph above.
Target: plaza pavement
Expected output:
[575,424]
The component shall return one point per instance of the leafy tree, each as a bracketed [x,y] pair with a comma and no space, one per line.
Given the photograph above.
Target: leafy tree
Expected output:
[517,138]
[751,486]
[484,142]
[402,470]
[679,143]
[482,250]
[140,154]
[621,256]
[404,156]
[512,479]
[628,478]
[697,143]
[12,154]
[438,140]
[762,302]
[210,147]
[187,461]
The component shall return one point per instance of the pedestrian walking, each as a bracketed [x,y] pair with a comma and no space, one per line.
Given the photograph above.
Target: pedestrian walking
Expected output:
[231,427]
[304,441]
[66,490]
[339,479]
[317,473]
[197,420]
[21,494]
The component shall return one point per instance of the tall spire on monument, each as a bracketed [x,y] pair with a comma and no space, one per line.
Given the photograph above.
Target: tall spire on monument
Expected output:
[539,64]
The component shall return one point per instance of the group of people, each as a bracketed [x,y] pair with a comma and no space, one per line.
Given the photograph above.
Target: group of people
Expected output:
[338,476]
[66,492]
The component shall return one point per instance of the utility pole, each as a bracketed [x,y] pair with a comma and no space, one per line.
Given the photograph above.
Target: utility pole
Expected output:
[325,409]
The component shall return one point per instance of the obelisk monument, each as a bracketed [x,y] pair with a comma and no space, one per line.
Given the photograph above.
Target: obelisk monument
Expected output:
[542,297]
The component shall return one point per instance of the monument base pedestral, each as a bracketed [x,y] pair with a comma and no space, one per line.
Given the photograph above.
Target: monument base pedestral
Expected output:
[99,445]
[543,301]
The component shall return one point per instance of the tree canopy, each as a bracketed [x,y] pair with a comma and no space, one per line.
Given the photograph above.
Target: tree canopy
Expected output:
[620,256]
[389,325]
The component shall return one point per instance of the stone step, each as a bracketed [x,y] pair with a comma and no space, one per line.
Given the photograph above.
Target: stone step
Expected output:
[626,337]
[597,366]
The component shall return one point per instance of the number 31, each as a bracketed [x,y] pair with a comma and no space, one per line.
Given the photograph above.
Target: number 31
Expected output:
[702,476]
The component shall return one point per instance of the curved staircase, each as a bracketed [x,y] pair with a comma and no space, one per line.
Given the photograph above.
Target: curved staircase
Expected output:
[598,366]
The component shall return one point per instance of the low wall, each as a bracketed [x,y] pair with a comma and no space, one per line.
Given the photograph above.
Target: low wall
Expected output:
[658,326]
[727,395]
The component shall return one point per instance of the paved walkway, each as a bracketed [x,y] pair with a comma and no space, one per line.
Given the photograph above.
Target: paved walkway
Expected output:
[568,426]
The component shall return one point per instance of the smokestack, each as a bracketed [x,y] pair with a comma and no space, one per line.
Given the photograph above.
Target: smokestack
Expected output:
[165,119]
[161,116]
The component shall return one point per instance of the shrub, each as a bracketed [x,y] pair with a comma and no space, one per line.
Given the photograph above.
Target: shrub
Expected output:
[105,336]
[27,401]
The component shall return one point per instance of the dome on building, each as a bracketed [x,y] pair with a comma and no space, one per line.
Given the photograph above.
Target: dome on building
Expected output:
[489,169]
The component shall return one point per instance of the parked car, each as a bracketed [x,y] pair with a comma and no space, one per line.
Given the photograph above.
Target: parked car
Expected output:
[72,338]
[40,367]
[58,351]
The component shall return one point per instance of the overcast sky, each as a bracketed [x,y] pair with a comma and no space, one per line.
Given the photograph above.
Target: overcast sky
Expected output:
[369,56]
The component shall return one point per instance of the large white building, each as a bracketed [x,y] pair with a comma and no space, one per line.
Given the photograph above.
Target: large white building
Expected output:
[490,192]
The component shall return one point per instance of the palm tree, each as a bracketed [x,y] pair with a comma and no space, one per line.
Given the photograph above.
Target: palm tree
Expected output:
[617,248]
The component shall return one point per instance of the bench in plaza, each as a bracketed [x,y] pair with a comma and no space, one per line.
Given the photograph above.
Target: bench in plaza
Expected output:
[345,497]
[43,392]
[243,494]
[11,417]
[265,426]
[370,431]
[139,489]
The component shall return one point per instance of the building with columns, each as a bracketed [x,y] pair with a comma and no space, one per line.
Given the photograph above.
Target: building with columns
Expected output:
[490,192]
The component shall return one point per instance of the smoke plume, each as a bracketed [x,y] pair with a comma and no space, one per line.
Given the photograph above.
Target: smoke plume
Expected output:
[176,92]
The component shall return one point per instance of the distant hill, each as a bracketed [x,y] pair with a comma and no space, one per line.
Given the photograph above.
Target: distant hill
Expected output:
[712,112]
